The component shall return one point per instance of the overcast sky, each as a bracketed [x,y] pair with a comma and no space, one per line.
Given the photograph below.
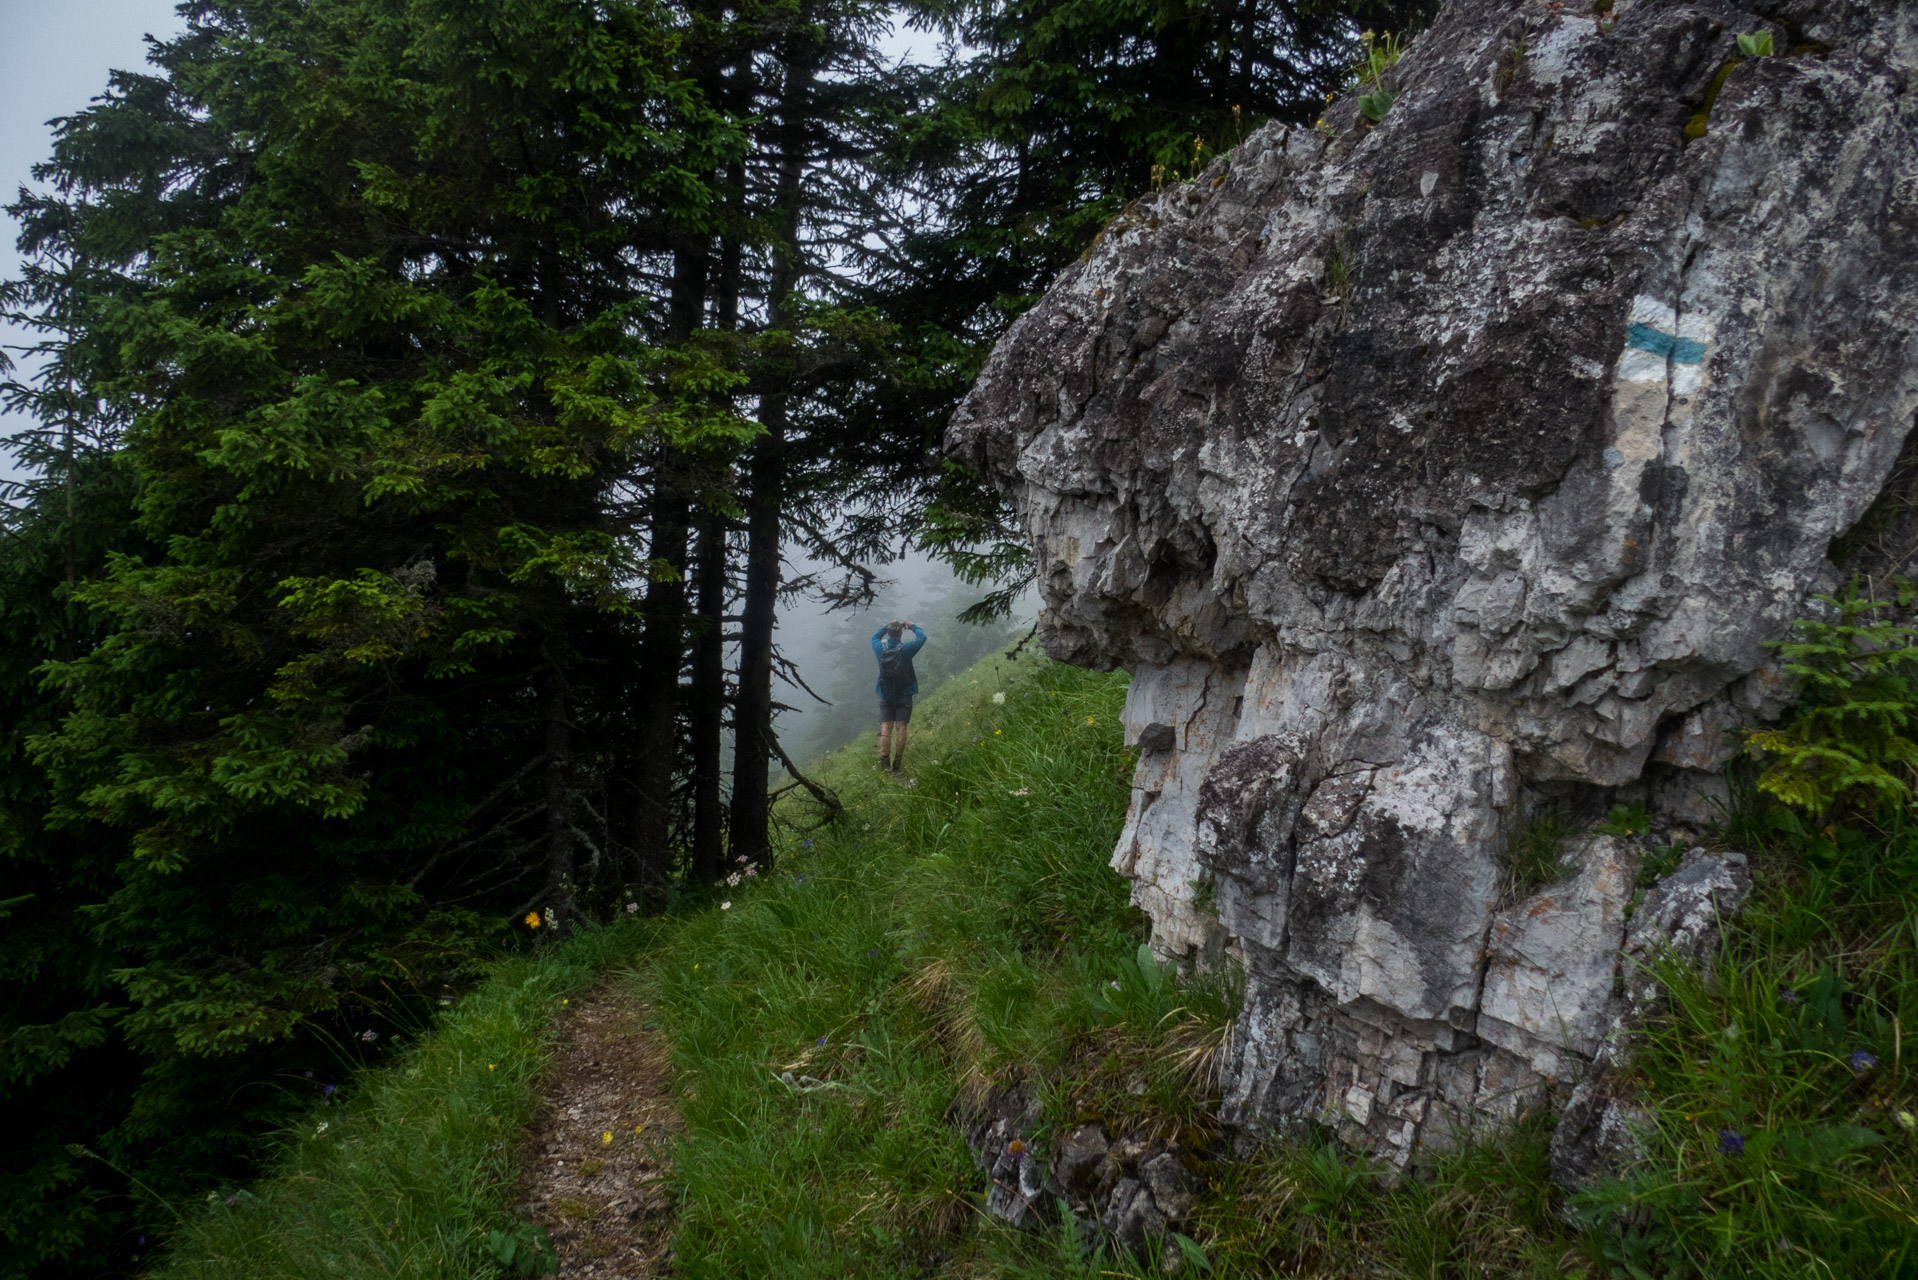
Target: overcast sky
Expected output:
[54,58]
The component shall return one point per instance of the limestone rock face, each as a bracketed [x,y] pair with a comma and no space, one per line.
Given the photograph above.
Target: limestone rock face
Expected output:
[1131,1188]
[1417,471]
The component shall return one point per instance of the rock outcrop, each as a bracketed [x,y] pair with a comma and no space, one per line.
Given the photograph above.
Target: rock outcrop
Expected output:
[1129,1188]
[1424,471]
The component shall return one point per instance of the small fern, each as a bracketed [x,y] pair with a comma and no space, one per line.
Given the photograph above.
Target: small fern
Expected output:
[1850,738]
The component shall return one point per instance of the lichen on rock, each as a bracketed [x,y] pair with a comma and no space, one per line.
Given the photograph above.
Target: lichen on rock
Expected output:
[1427,469]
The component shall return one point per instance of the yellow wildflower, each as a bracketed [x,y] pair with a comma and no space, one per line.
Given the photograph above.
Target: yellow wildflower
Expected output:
[605,1138]
[1091,720]
[532,919]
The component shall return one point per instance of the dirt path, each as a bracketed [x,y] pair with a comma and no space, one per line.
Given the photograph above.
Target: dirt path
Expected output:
[604,1201]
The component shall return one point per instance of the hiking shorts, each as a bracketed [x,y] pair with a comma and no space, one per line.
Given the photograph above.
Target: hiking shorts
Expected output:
[895,707]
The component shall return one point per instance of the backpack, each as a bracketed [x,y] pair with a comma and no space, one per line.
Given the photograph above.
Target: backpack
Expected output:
[895,670]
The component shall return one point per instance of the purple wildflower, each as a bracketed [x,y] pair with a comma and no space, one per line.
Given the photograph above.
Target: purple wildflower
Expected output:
[309,1076]
[1731,1142]
[821,1042]
[1863,1060]
[328,1091]
[805,844]
[369,1036]
[1787,996]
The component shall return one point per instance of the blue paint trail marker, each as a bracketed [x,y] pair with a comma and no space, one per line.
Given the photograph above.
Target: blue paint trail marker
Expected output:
[1642,337]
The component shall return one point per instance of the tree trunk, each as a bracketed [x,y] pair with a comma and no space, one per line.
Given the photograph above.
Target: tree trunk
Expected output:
[708,702]
[657,688]
[752,711]
[562,898]
[663,646]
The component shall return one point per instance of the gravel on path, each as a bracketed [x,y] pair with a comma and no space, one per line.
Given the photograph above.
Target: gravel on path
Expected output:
[595,1170]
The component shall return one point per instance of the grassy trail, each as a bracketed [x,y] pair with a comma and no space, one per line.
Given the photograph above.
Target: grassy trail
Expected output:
[596,1163]
[823,1013]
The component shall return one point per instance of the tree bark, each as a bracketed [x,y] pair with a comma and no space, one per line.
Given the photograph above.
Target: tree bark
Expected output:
[707,704]
[752,710]
[562,897]
[708,701]
[662,647]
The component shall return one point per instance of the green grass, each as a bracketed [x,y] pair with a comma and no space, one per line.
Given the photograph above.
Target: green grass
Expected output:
[967,928]
[959,929]
[1821,966]
[418,1157]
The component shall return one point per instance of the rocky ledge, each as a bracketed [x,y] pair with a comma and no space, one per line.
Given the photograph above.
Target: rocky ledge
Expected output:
[1431,473]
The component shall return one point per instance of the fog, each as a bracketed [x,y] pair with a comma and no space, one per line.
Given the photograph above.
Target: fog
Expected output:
[833,654]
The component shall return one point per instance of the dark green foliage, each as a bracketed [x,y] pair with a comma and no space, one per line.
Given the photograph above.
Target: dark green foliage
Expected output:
[524,1249]
[1849,740]
[348,310]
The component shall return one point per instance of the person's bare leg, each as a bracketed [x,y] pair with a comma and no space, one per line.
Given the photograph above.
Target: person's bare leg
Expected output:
[885,741]
[898,744]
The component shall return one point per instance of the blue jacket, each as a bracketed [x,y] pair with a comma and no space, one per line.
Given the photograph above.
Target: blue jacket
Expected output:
[911,647]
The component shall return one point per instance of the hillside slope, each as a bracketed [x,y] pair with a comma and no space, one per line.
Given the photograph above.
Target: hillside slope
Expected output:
[960,928]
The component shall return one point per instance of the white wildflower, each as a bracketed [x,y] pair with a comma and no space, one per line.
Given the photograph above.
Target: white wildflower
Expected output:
[999,699]
[726,906]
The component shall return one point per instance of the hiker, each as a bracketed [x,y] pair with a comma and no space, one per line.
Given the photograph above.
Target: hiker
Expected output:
[895,688]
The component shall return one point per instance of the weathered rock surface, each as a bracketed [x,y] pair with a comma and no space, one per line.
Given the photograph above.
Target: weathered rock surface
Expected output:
[1129,1188]
[1678,923]
[1422,470]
